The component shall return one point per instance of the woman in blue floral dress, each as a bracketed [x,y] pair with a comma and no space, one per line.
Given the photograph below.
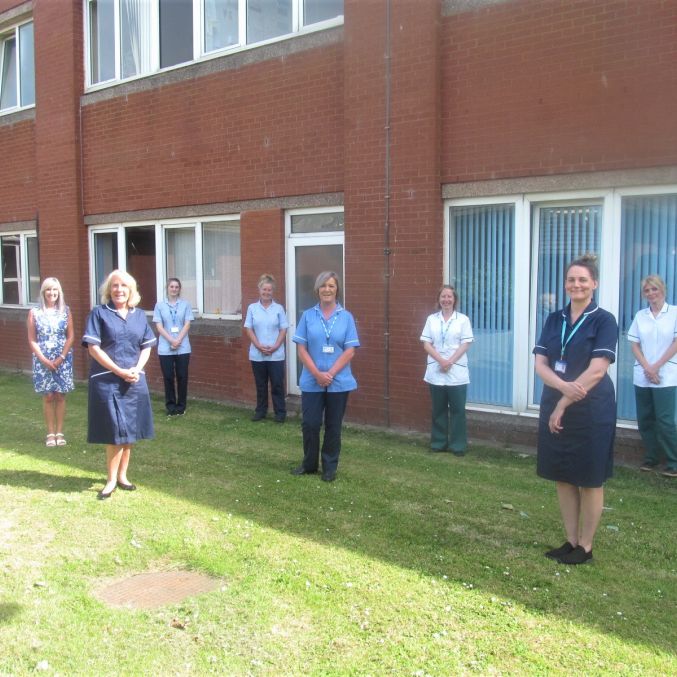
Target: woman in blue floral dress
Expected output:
[50,336]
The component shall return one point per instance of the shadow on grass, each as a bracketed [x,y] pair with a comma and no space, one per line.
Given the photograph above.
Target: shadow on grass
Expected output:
[483,520]
[45,482]
[8,610]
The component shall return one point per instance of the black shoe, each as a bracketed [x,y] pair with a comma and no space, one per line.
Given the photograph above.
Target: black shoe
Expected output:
[576,556]
[457,453]
[328,476]
[126,487]
[563,549]
[102,496]
[302,471]
[648,467]
[258,417]
[280,419]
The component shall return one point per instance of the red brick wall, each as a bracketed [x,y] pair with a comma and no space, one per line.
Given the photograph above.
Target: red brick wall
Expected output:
[537,87]
[415,215]
[262,130]
[17,172]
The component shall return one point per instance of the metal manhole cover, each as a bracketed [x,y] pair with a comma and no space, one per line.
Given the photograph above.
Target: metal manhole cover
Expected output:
[153,590]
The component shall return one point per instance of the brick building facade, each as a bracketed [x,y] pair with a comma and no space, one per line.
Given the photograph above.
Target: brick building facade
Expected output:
[407,125]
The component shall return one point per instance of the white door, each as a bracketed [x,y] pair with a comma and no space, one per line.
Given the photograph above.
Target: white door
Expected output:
[311,248]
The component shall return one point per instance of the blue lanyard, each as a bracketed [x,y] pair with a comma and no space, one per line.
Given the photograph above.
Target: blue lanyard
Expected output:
[573,331]
[173,312]
[327,330]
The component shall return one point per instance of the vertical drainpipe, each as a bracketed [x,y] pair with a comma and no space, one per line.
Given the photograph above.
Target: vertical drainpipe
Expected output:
[386,226]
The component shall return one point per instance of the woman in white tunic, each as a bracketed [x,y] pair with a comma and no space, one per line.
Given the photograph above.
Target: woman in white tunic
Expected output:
[446,337]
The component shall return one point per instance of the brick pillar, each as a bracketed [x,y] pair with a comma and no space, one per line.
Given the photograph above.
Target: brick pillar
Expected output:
[412,201]
[59,85]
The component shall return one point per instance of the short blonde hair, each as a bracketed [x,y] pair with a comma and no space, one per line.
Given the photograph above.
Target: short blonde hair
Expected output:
[134,296]
[656,281]
[48,283]
[266,278]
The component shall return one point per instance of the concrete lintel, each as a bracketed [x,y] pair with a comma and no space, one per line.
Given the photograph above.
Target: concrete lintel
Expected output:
[217,209]
[562,182]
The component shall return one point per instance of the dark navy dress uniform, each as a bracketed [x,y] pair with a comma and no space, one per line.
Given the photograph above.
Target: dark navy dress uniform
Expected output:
[119,412]
[582,453]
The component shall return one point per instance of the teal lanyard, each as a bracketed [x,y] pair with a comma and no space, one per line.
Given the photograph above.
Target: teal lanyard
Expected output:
[573,331]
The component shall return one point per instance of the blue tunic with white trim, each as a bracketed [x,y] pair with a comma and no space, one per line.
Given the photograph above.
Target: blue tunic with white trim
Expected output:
[582,453]
[119,412]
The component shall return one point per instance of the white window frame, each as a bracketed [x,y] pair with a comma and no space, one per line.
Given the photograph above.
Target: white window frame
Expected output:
[5,34]
[160,228]
[199,53]
[24,286]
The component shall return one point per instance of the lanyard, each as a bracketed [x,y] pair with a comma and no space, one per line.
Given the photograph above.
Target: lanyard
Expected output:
[445,327]
[327,330]
[573,331]
[173,311]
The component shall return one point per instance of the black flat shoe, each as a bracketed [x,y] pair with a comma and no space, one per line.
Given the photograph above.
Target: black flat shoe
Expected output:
[126,487]
[102,495]
[576,556]
[302,471]
[258,417]
[328,476]
[563,549]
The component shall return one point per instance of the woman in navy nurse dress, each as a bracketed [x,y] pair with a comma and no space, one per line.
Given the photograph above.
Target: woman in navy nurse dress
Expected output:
[577,420]
[119,340]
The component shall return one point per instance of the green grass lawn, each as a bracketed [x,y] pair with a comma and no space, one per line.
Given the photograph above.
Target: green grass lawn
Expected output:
[411,563]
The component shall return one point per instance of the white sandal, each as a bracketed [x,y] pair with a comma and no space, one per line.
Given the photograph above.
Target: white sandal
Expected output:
[60,440]
[51,440]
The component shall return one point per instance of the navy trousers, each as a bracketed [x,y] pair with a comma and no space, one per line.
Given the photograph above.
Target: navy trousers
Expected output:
[269,371]
[315,407]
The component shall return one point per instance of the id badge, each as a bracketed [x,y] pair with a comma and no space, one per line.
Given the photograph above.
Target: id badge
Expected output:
[561,367]
[328,349]
[174,330]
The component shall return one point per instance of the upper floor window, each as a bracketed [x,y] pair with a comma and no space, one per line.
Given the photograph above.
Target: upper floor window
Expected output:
[17,68]
[20,268]
[132,38]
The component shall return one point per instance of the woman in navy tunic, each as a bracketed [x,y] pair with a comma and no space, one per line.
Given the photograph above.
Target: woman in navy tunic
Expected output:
[578,408]
[119,341]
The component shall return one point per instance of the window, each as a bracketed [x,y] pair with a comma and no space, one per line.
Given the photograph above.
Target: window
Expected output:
[481,252]
[561,233]
[648,247]
[20,268]
[507,257]
[133,38]
[17,68]
[205,256]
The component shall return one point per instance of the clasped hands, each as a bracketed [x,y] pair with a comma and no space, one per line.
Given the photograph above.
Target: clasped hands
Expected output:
[446,364]
[652,374]
[324,379]
[572,391]
[267,350]
[131,375]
